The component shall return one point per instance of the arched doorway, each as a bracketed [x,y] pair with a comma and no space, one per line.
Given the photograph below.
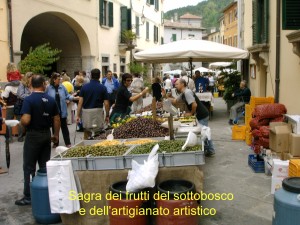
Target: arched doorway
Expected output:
[52,27]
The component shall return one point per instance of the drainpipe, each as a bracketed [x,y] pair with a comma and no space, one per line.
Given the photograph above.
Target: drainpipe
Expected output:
[11,49]
[277,71]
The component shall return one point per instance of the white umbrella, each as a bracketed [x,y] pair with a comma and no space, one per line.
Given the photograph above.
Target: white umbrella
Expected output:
[192,51]
[216,65]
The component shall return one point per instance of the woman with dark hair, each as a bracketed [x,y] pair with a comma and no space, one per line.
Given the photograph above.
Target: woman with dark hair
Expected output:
[156,89]
[57,91]
[124,99]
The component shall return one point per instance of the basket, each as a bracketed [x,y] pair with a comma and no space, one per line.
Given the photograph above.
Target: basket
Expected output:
[248,138]
[294,168]
[255,101]
[256,166]
[238,132]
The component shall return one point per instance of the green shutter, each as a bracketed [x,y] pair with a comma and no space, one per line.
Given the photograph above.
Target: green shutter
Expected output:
[265,31]
[101,8]
[290,15]
[174,38]
[137,25]
[161,40]
[162,17]
[154,33]
[254,21]
[123,21]
[110,14]
[129,27]
[157,5]
[147,30]
[151,2]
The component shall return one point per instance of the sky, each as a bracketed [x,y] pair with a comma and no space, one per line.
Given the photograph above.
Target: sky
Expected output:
[174,4]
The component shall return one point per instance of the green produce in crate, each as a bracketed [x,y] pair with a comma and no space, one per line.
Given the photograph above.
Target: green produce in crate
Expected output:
[83,151]
[164,146]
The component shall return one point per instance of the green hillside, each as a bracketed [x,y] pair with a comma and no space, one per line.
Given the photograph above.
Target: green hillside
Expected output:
[210,10]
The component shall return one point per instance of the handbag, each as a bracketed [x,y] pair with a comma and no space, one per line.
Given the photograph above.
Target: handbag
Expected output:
[18,106]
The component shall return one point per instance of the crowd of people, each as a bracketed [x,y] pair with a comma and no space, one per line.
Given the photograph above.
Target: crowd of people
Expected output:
[44,106]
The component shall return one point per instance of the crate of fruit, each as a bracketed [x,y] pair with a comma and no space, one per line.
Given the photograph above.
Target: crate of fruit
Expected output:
[190,158]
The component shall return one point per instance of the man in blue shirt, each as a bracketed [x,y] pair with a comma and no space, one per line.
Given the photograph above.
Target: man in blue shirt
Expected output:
[38,112]
[111,84]
[201,82]
[91,99]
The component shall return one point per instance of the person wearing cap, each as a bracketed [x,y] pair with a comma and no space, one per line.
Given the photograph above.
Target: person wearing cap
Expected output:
[189,81]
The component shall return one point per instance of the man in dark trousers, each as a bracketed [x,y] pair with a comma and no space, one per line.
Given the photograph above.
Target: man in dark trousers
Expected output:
[243,94]
[38,112]
[196,108]
[90,106]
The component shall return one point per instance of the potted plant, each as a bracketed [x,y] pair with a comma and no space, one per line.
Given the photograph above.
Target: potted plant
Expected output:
[129,37]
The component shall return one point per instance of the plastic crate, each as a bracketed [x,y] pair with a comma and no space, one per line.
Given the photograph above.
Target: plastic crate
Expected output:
[238,132]
[256,166]
[248,114]
[105,163]
[294,168]
[216,94]
[248,139]
[184,158]
[255,101]
[77,163]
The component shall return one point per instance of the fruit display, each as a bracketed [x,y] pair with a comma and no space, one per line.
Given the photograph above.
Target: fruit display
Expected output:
[159,105]
[139,142]
[164,146]
[83,151]
[107,143]
[140,128]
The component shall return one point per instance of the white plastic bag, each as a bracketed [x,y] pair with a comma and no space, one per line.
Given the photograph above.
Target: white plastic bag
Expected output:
[62,187]
[205,133]
[143,175]
[191,140]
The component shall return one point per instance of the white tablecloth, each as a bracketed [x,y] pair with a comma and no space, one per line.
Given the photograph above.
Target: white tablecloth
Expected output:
[206,97]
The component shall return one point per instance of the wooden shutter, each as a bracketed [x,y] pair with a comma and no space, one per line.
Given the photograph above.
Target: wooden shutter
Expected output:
[110,14]
[123,21]
[254,22]
[101,13]
[151,2]
[157,5]
[137,25]
[265,31]
[129,27]
[162,17]
[161,40]
[290,14]
[147,30]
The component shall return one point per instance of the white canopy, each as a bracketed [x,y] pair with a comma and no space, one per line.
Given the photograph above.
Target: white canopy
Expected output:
[202,69]
[191,50]
[216,65]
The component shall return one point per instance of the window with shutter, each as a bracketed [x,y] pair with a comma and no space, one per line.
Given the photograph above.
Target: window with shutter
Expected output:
[124,21]
[147,30]
[156,5]
[174,38]
[110,14]
[137,26]
[260,21]
[290,15]
[129,27]
[106,13]
[152,2]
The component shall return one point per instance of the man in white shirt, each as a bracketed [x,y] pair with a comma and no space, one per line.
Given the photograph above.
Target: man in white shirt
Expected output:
[168,84]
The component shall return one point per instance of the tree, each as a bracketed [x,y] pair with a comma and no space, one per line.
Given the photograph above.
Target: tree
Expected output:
[39,59]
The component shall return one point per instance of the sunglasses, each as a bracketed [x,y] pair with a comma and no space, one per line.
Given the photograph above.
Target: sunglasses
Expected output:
[128,80]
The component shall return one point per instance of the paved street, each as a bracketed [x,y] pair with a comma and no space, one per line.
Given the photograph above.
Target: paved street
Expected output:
[226,172]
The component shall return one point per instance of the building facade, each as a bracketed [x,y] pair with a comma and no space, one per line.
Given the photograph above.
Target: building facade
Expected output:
[188,26]
[87,32]
[4,39]
[214,36]
[274,46]
[230,25]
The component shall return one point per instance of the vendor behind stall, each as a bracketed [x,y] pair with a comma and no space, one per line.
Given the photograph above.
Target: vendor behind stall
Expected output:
[124,99]
[196,108]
